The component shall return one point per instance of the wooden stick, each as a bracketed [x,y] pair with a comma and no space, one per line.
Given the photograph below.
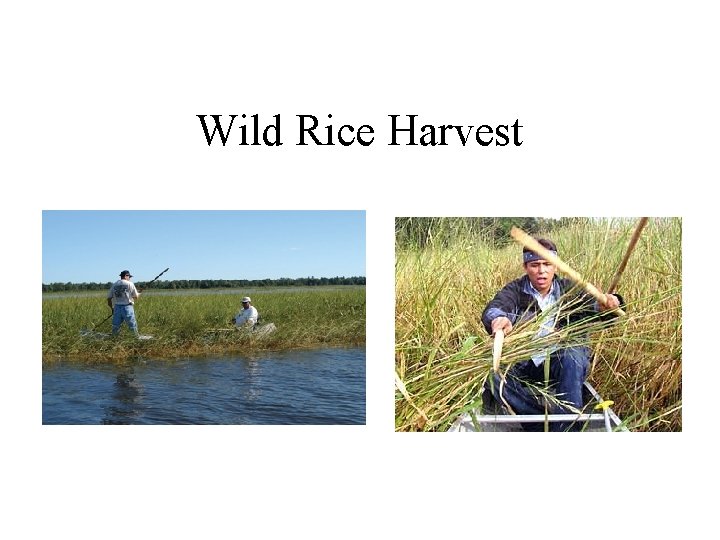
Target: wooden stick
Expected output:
[497,349]
[631,246]
[497,353]
[532,244]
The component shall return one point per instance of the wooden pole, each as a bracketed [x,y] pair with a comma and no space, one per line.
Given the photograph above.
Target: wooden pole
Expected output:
[497,349]
[630,248]
[532,244]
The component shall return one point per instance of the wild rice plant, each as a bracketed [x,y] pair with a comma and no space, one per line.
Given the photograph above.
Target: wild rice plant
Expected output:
[196,324]
[444,355]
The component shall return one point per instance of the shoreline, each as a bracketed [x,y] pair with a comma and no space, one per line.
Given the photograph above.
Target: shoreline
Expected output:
[134,352]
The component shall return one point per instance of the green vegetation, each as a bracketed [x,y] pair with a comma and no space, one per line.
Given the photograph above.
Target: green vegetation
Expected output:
[420,232]
[195,324]
[443,354]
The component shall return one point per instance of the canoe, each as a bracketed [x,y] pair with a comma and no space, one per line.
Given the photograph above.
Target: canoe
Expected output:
[264,330]
[491,418]
[100,335]
[260,330]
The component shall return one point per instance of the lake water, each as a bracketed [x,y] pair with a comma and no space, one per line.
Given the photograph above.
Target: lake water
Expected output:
[324,386]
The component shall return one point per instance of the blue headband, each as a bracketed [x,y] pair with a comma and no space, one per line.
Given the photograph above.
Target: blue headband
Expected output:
[529,256]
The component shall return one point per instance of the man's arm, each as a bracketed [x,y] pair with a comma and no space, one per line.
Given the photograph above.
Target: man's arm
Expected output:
[582,305]
[614,301]
[500,313]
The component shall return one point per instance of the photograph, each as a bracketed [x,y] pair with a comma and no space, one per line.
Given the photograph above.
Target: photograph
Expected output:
[538,324]
[203,317]
[204,189]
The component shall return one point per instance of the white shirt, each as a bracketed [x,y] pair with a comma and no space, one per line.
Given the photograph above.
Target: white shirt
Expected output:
[247,316]
[548,323]
[123,292]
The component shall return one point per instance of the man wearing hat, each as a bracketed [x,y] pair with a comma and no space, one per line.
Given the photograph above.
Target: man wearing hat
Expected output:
[120,298]
[248,315]
[538,294]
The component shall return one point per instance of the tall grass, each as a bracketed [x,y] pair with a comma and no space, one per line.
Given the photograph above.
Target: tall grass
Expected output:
[444,355]
[200,323]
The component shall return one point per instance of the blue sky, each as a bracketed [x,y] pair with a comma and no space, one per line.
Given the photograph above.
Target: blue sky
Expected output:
[94,246]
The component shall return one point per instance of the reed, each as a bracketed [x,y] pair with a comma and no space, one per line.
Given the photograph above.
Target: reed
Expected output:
[198,324]
[443,354]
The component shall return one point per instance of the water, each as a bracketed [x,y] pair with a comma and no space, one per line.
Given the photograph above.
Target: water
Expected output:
[325,386]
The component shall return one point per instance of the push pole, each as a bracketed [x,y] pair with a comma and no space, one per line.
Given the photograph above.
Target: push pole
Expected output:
[631,246]
[155,278]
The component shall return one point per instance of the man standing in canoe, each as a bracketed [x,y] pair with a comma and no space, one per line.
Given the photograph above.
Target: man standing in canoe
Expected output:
[120,298]
[248,315]
[538,294]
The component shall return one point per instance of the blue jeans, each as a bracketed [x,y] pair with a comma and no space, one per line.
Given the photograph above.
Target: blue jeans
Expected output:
[124,314]
[568,369]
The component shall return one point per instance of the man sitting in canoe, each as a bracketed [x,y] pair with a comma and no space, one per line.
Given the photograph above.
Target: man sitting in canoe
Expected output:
[248,315]
[536,294]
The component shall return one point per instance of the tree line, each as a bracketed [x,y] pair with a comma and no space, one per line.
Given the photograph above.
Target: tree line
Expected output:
[214,283]
[421,232]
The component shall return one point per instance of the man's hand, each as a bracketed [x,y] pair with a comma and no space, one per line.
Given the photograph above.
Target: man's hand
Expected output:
[611,302]
[501,323]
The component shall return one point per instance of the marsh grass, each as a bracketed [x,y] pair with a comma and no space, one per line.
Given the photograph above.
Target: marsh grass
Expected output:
[443,354]
[197,324]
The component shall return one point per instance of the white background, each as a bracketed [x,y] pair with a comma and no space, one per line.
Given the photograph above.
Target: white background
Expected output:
[619,106]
